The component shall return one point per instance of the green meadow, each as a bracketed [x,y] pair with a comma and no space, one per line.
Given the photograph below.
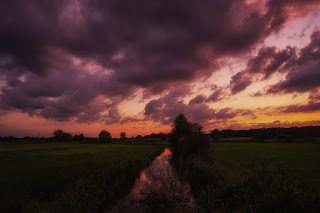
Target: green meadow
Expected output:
[246,176]
[62,176]
[300,159]
[236,175]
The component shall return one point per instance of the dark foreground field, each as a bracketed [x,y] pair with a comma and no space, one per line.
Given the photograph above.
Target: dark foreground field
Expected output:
[299,159]
[224,177]
[68,177]
[254,177]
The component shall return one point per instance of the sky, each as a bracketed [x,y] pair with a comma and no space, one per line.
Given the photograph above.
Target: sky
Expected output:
[83,66]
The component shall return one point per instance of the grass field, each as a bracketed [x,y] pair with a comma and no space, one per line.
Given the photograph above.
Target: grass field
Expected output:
[302,159]
[253,176]
[38,172]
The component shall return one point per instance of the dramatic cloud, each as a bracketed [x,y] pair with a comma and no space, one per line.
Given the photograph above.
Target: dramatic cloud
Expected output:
[198,100]
[275,124]
[268,61]
[81,60]
[239,82]
[303,70]
[144,44]
[167,107]
[215,96]
[313,104]
[306,74]
[302,80]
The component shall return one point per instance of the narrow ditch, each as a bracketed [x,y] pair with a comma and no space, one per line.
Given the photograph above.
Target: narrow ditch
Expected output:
[157,189]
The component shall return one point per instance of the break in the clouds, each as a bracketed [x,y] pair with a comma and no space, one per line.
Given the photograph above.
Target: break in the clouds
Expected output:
[81,60]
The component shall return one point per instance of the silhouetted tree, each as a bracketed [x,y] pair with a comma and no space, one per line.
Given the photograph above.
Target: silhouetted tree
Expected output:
[79,137]
[105,136]
[187,137]
[66,136]
[59,135]
[215,133]
[27,138]
[139,137]
[122,135]
[181,127]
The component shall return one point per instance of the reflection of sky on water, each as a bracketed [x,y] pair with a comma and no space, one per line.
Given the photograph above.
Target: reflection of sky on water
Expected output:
[160,164]
[159,167]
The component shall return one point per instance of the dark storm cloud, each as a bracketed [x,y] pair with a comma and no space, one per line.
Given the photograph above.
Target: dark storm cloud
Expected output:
[267,61]
[167,107]
[310,107]
[64,96]
[239,82]
[145,44]
[199,99]
[215,96]
[226,113]
[305,76]
[131,119]
[302,80]
[302,69]
[312,51]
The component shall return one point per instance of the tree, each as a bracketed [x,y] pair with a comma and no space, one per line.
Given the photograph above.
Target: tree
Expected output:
[139,137]
[66,136]
[181,127]
[105,136]
[59,135]
[215,133]
[187,137]
[122,135]
[79,137]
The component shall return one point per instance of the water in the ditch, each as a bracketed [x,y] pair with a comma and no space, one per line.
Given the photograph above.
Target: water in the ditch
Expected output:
[157,189]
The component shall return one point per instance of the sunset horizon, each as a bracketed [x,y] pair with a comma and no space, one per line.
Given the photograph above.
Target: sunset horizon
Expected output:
[83,67]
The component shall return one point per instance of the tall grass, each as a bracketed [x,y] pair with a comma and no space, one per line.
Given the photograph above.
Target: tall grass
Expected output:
[167,194]
[261,189]
[94,193]
[69,177]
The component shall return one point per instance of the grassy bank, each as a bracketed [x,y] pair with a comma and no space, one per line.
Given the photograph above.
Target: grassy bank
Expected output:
[69,177]
[255,177]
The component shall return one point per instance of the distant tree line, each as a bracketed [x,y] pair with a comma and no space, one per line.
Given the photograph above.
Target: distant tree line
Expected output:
[103,137]
[106,137]
[269,133]
[161,135]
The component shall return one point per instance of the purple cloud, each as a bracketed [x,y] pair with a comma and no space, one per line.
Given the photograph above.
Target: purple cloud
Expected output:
[133,45]
[199,99]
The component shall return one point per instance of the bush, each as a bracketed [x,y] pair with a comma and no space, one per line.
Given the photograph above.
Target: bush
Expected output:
[59,135]
[186,137]
[194,144]
[167,194]
[105,136]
